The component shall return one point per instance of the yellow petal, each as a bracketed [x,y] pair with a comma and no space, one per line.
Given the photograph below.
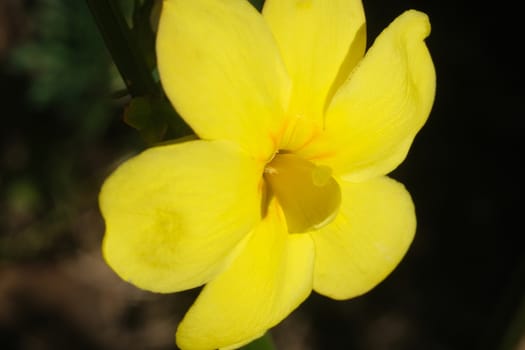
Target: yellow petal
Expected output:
[270,277]
[315,38]
[376,114]
[366,241]
[174,213]
[221,68]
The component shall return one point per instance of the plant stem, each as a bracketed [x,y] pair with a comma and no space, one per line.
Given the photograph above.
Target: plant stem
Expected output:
[263,343]
[123,49]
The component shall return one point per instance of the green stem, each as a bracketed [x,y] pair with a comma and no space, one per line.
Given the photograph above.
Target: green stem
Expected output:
[263,343]
[119,41]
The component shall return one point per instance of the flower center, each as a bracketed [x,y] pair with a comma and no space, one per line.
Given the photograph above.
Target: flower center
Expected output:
[308,194]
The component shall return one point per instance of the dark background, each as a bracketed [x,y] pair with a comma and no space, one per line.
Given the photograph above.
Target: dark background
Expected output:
[461,285]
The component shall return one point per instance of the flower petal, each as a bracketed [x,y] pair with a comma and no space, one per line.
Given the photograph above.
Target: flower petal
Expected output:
[366,241]
[270,277]
[174,213]
[376,114]
[315,38]
[221,68]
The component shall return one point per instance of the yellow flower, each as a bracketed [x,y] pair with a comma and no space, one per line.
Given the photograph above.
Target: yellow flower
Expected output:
[285,191]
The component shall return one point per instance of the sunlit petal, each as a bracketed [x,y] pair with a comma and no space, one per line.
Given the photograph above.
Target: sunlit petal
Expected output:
[221,68]
[174,213]
[366,241]
[315,38]
[376,114]
[269,278]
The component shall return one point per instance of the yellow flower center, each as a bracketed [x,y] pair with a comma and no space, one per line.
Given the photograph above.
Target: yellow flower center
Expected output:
[308,194]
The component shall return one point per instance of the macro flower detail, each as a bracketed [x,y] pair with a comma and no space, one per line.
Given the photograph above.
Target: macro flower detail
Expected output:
[285,191]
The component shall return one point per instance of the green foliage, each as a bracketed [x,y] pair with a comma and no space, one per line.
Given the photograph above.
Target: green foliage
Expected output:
[130,39]
[66,63]
[55,89]
[155,119]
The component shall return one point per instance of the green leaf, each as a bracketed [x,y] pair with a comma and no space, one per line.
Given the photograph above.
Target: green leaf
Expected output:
[140,114]
[155,119]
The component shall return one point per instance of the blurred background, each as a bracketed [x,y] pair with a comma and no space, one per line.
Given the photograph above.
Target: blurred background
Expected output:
[461,285]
